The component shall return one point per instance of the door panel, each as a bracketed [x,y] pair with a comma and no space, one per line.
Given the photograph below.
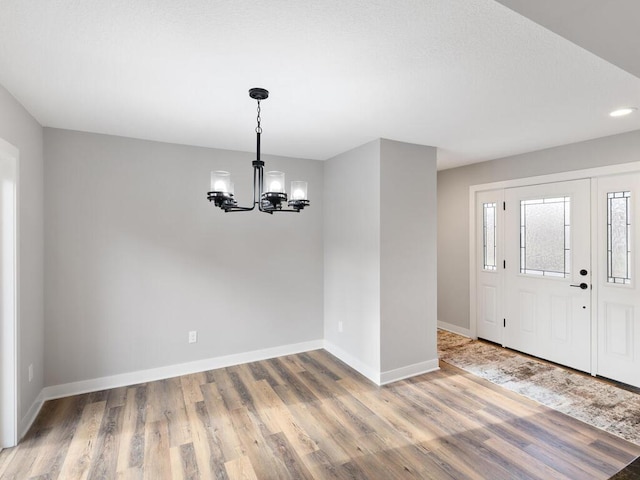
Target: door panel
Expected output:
[489,255]
[618,321]
[547,244]
[560,318]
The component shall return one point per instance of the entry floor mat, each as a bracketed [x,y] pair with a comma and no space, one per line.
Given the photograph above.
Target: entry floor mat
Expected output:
[594,401]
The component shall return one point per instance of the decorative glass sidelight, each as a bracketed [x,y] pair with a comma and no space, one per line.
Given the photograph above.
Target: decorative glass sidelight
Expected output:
[619,237]
[545,243]
[489,236]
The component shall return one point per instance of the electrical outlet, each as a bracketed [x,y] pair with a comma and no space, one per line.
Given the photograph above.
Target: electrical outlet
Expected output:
[31,372]
[340,327]
[193,336]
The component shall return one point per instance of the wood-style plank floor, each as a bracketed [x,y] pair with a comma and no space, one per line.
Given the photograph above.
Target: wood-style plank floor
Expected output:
[310,416]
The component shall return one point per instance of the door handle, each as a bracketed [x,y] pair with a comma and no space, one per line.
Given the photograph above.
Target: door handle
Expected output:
[583,286]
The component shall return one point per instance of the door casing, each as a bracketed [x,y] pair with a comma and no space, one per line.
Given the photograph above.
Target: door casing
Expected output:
[8,294]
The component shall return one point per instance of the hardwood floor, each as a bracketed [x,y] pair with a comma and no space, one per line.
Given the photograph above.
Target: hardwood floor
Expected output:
[310,416]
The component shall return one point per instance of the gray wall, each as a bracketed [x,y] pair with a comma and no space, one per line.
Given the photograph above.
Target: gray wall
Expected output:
[136,257]
[352,254]
[380,256]
[453,205]
[408,276]
[20,129]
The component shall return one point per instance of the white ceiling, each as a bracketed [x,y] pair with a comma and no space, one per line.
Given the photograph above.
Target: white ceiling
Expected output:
[471,77]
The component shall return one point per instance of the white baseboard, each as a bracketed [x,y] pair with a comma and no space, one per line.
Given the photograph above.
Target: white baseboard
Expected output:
[409,371]
[450,327]
[353,362]
[381,378]
[169,371]
[27,420]
[160,373]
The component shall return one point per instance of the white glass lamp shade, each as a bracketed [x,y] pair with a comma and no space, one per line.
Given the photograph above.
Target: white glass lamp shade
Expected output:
[274,182]
[221,182]
[298,190]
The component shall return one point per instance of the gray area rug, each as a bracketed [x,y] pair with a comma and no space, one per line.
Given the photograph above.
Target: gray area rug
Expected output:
[594,401]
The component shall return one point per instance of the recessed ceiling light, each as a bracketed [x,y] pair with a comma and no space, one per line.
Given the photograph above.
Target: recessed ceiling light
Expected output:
[621,112]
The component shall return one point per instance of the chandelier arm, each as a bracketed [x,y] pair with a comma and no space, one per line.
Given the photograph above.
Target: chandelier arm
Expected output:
[238,209]
[260,190]
[256,178]
[259,167]
[253,205]
[258,186]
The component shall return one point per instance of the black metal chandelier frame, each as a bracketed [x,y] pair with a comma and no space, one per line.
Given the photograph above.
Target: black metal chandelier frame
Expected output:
[267,202]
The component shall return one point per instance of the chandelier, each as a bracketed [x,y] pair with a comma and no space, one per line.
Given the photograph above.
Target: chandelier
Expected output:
[268,188]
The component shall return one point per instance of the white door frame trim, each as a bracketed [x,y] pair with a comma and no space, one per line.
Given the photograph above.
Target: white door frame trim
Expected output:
[522,182]
[9,320]
[595,272]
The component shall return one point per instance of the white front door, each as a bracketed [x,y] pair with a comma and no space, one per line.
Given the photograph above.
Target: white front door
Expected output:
[547,272]
[618,323]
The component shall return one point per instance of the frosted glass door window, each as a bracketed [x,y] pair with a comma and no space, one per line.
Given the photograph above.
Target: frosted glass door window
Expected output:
[489,235]
[618,237]
[545,237]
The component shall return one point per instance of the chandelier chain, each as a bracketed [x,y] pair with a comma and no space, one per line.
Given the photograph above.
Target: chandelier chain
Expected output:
[258,128]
